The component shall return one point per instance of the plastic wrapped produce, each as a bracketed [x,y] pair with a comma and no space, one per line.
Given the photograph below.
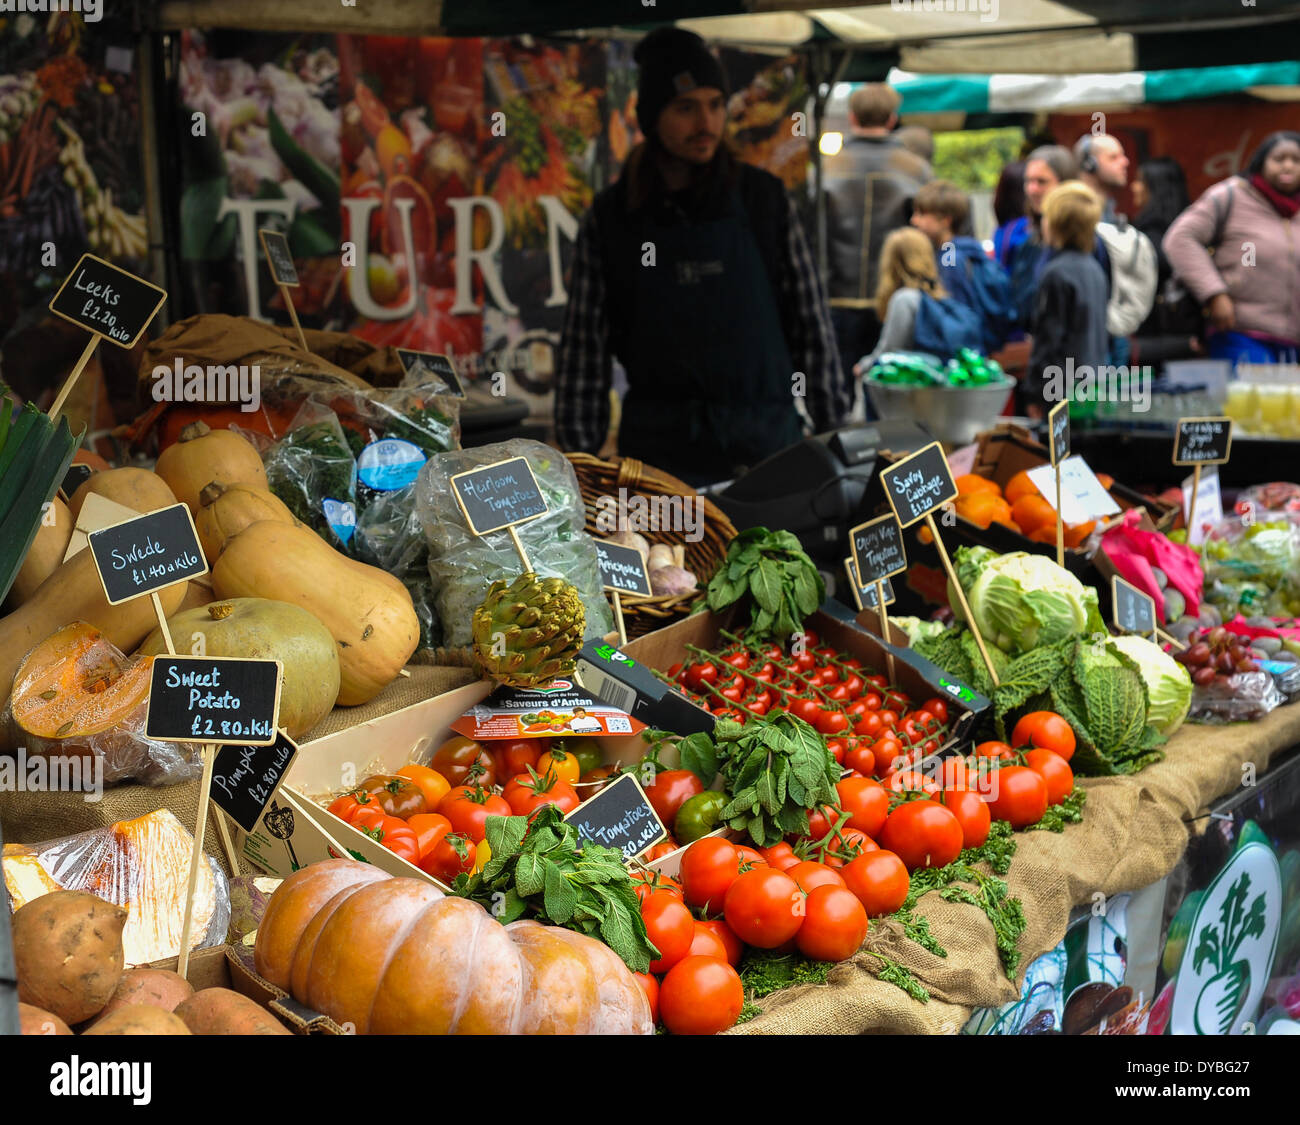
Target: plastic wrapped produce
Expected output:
[1252,565]
[142,865]
[313,471]
[462,565]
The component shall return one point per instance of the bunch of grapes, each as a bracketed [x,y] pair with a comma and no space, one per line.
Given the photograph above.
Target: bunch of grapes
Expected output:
[1217,655]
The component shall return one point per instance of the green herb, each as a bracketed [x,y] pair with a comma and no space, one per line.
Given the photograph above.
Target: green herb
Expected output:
[774,771]
[771,570]
[544,869]
[989,895]
[891,972]
[1069,811]
[424,426]
[309,465]
[763,972]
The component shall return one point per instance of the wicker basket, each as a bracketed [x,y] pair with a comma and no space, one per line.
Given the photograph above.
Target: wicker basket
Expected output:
[599,478]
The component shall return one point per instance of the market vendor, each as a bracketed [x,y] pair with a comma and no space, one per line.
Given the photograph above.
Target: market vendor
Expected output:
[692,269]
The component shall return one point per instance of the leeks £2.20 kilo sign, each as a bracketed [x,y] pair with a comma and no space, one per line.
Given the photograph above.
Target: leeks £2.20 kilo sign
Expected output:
[108,301]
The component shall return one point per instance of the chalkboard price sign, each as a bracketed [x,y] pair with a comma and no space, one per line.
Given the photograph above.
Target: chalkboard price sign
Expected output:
[279,257]
[623,569]
[865,595]
[1132,610]
[214,699]
[619,816]
[108,301]
[440,365]
[1203,441]
[918,484]
[245,778]
[1058,432]
[144,555]
[499,495]
[878,549]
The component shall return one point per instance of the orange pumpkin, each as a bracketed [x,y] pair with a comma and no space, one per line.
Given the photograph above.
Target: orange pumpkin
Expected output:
[395,956]
[137,489]
[204,455]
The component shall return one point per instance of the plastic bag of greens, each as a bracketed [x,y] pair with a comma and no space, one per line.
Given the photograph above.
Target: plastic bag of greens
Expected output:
[313,471]
[1252,564]
[462,565]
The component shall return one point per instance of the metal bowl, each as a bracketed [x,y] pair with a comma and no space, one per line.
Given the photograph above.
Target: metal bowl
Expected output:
[955,415]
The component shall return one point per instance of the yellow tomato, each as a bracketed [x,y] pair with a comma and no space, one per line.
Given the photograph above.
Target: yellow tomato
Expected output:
[429,781]
[561,763]
[482,854]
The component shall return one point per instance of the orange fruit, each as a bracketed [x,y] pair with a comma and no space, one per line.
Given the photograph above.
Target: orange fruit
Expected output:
[1105,480]
[1032,512]
[971,482]
[1018,486]
[979,507]
[1076,533]
[1044,534]
[923,534]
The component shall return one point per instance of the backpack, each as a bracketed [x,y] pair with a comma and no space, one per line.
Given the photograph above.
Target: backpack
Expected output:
[944,327]
[1133,275]
[986,288]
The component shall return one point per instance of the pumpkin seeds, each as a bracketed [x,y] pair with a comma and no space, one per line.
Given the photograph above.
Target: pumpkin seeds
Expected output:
[63,729]
[51,694]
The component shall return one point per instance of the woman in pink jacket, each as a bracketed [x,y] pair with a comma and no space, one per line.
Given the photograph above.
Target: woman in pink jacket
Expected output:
[1237,249]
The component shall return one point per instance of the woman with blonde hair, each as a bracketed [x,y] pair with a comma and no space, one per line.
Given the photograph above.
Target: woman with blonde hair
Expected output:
[908,283]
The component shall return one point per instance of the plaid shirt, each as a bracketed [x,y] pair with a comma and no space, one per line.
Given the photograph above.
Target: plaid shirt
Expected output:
[584,370]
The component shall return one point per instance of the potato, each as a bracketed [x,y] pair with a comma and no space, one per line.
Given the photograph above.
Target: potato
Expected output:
[68,952]
[138,1019]
[37,1021]
[222,1011]
[158,988]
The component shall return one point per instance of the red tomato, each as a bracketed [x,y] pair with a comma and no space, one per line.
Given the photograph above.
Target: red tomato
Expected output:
[399,838]
[953,773]
[735,947]
[972,813]
[869,726]
[809,874]
[345,807]
[367,818]
[781,856]
[463,761]
[1017,795]
[697,675]
[671,789]
[994,749]
[670,927]
[834,926]
[451,855]
[701,996]
[1045,730]
[913,781]
[865,801]
[514,756]
[837,748]
[845,845]
[467,807]
[861,758]
[886,751]
[764,907]
[806,709]
[650,986]
[429,828]
[831,723]
[889,718]
[648,881]
[527,793]
[751,856]
[706,943]
[821,820]
[1054,770]
[709,867]
[922,834]
[937,707]
[880,881]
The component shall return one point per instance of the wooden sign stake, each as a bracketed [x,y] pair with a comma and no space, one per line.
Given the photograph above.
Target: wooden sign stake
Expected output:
[1060,523]
[162,623]
[196,856]
[884,626]
[618,617]
[293,316]
[71,380]
[519,546]
[1191,508]
[961,597]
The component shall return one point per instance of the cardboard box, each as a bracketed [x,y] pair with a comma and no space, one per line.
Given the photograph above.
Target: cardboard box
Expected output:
[615,677]
[286,840]
[1002,452]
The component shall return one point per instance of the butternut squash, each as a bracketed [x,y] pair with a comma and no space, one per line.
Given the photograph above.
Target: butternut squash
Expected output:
[45,555]
[203,455]
[73,593]
[375,628]
[225,510]
[137,489]
[261,629]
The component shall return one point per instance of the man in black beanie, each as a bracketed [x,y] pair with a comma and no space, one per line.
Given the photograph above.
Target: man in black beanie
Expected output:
[692,269]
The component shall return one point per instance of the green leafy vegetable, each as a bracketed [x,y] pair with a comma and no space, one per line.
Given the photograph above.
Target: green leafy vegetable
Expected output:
[772,570]
[544,869]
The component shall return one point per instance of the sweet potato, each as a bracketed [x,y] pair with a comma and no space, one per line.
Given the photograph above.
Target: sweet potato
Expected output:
[138,1019]
[68,952]
[222,1011]
[158,988]
[37,1021]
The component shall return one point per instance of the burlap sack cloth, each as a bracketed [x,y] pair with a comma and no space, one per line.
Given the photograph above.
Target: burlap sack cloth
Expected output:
[32,818]
[1133,833]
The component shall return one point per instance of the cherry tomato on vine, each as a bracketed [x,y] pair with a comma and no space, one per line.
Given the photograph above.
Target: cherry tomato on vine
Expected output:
[861,758]
[1045,730]
[972,813]
[938,707]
